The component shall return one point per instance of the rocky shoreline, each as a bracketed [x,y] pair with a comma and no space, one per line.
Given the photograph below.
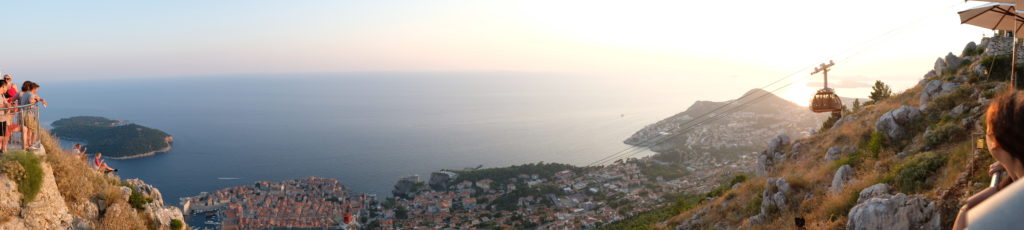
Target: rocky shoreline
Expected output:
[169,140]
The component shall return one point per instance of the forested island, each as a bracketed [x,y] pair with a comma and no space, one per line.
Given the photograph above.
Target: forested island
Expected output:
[114,138]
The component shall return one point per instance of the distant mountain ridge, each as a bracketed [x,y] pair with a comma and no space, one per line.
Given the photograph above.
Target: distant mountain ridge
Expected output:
[747,128]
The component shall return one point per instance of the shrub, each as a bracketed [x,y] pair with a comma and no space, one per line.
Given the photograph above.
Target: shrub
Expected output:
[946,102]
[137,200]
[999,67]
[875,143]
[942,133]
[829,122]
[854,159]
[971,52]
[912,175]
[880,91]
[841,204]
[30,179]
[176,224]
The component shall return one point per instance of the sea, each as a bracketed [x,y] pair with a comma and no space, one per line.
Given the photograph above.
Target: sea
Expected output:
[367,130]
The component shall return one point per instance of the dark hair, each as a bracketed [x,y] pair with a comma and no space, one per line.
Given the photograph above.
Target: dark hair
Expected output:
[28,86]
[1005,119]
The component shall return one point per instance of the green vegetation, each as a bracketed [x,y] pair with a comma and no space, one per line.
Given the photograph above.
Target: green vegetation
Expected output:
[912,175]
[880,91]
[854,159]
[875,143]
[681,203]
[176,224]
[856,105]
[971,52]
[942,133]
[110,137]
[543,170]
[509,201]
[25,169]
[849,199]
[667,172]
[136,199]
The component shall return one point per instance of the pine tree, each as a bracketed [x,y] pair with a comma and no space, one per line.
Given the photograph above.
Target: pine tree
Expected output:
[880,91]
[856,105]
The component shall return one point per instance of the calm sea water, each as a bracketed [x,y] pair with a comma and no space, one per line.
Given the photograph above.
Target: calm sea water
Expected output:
[367,130]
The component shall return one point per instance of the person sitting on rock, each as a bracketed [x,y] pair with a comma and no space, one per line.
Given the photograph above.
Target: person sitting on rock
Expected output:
[79,150]
[102,165]
[1005,140]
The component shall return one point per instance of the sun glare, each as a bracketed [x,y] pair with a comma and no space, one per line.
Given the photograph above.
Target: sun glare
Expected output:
[799,92]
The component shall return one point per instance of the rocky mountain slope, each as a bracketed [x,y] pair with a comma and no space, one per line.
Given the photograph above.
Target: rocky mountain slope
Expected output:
[741,132]
[53,189]
[905,162]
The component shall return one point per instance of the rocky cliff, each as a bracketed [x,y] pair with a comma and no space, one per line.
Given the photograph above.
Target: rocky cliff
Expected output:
[71,195]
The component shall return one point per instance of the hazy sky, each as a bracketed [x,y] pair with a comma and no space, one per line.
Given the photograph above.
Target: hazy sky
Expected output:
[716,45]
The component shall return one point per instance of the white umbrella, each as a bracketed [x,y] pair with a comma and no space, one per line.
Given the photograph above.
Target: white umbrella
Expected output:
[998,16]
[994,16]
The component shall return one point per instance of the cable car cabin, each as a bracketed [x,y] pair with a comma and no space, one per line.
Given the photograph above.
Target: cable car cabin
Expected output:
[826,101]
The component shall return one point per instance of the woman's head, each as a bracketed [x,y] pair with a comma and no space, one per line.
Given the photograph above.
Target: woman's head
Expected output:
[1005,134]
[8,78]
[28,86]
[78,145]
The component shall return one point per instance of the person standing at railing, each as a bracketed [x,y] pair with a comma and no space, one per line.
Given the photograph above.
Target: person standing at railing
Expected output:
[5,116]
[11,94]
[29,96]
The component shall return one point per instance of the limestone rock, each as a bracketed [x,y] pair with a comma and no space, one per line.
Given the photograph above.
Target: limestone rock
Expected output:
[894,123]
[833,153]
[940,66]
[48,210]
[843,120]
[440,181]
[156,209]
[843,175]
[970,46]
[873,191]
[10,203]
[952,63]
[776,144]
[695,221]
[895,212]
[774,196]
[936,88]
[773,155]
[764,164]
[931,74]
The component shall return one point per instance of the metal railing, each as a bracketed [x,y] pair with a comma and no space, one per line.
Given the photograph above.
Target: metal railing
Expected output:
[22,117]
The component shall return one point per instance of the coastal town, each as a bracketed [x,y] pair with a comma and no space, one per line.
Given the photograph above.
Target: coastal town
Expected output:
[573,198]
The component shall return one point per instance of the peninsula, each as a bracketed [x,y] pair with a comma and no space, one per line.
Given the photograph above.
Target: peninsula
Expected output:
[116,139]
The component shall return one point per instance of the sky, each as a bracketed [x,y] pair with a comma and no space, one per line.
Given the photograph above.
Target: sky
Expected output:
[703,47]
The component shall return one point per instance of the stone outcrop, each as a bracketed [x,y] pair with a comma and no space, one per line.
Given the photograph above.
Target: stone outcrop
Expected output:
[843,175]
[936,88]
[50,211]
[776,144]
[873,191]
[773,155]
[894,123]
[440,181]
[836,152]
[998,46]
[895,212]
[156,209]
[47,211]
[773,199]
[406,187]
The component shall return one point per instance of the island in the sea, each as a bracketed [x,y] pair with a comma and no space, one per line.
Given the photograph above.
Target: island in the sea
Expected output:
[116,139]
